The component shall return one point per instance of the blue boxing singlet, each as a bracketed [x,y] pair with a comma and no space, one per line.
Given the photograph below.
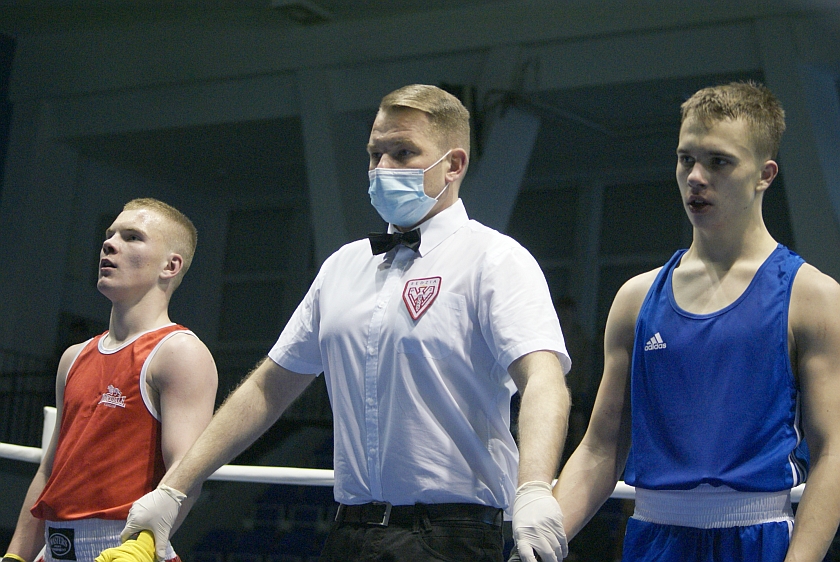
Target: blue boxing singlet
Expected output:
[713,397]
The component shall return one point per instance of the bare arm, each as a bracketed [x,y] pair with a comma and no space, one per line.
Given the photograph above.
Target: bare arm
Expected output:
[183,381]
[28,539]
[543,421]
[590,475]
[544,414]
[246,414]
[815,324]
[264,394]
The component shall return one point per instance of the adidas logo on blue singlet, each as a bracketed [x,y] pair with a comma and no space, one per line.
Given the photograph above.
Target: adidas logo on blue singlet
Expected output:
[655,343]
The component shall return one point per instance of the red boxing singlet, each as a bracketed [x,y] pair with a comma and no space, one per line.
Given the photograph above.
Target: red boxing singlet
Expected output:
[109,446]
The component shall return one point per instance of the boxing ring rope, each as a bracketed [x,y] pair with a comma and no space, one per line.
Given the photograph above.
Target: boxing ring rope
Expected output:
[262,474]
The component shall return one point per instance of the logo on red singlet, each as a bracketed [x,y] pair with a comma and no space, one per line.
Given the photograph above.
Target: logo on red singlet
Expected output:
[113,397]
[419,294]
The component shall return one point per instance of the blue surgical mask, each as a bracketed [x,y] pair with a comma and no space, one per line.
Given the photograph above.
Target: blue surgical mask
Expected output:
[397,194]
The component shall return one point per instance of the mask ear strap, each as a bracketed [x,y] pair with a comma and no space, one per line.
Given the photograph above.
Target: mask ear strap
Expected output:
[445,187]
[439,160]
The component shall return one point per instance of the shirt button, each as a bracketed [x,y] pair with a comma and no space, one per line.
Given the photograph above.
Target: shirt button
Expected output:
[371,401]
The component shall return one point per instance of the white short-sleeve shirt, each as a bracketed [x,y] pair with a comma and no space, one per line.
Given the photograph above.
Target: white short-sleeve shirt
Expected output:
[415,348]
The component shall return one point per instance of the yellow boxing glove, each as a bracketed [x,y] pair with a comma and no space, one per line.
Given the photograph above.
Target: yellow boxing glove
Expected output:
[141,549]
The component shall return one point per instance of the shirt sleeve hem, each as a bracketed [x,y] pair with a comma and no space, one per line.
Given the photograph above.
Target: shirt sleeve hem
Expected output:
[295,365]
[512,354]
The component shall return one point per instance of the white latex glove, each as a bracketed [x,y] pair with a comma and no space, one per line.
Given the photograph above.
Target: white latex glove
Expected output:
[155,512]
[538,524]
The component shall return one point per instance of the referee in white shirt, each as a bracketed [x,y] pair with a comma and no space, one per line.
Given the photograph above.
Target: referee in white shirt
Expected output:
[422,333]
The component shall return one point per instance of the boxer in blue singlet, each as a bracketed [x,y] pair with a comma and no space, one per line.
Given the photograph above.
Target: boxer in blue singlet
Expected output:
[717,366]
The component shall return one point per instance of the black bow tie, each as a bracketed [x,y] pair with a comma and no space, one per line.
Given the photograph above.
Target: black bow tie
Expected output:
[382,242]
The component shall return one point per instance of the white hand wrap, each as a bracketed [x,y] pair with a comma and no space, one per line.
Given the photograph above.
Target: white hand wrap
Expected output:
[538,524]
[155,512]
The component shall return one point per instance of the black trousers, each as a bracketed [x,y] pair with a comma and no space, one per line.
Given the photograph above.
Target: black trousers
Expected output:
[415,536]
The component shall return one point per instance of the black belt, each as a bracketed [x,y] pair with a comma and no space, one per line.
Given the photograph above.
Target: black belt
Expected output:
[382,514]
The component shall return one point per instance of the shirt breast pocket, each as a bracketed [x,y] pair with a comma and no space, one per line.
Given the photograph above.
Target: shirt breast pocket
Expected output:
[439,331]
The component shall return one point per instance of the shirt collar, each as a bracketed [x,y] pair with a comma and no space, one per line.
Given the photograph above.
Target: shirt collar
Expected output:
[440,227]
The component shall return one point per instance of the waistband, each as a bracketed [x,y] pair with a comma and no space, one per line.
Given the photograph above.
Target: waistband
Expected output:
[709,507]
[89,537]
[383,514]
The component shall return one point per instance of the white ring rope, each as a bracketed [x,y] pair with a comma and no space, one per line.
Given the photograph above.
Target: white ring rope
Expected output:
[264,474]
[20,453]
